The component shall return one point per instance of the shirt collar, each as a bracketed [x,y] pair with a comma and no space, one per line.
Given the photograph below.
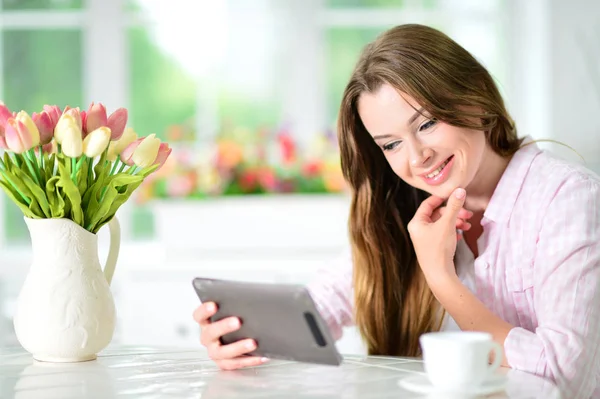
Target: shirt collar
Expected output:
[507,191]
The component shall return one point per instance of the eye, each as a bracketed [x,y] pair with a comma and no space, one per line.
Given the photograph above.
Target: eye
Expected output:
[392,145]
[430,123]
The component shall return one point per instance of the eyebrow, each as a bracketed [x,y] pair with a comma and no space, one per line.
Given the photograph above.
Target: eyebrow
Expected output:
[410,121]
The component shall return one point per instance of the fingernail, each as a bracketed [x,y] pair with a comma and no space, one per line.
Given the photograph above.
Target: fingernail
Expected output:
[234,323]
[250,345]
[460,193]
[210,307]
[264,359]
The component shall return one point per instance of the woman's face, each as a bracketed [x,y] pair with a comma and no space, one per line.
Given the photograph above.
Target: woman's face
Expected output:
[430,155]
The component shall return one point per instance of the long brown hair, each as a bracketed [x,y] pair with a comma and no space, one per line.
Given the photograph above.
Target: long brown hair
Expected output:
[393,304]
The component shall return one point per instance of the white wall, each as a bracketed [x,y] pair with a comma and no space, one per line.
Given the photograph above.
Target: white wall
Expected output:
[555,55]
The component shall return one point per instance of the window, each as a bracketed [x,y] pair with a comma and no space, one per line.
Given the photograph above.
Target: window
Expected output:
[39,67]
[42,4]
[243,68]
[343,46]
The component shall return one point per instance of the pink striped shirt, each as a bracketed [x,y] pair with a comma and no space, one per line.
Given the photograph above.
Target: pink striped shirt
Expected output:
[538,269]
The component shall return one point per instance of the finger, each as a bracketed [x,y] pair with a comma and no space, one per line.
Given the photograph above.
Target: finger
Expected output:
[214,331]
[437,214]
[203,313]
[454,205]
[462,225]
[236,349]
[240,362]
[463,213]
[427,208]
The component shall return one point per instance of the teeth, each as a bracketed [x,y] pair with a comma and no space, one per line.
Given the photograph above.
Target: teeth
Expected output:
[438,170]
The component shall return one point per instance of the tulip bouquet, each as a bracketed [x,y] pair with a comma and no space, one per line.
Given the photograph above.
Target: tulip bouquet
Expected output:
[79,165]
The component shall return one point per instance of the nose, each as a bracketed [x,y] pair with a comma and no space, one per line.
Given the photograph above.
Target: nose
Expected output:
[419,155]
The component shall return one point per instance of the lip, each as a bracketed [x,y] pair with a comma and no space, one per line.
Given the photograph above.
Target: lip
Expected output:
[440,177]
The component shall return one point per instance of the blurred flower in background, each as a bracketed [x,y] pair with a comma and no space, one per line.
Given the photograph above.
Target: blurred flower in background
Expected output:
[241,161]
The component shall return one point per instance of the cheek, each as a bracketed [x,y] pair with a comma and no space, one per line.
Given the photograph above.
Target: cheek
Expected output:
[399,166]
[476,153]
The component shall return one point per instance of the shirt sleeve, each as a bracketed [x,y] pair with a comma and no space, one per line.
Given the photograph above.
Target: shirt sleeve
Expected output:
[564,346]
[333,294]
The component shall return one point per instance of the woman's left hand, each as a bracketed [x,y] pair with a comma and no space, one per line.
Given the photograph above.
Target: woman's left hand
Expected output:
[434,239]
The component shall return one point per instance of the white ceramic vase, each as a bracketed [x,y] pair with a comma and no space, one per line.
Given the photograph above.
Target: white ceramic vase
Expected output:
[65,310]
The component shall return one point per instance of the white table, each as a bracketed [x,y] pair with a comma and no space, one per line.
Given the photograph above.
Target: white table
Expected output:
[152,372]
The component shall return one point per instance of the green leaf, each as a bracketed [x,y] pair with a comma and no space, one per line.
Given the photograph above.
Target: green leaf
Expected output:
[92,196]
[91,199]
[146,171]
[72,194]
[8,162]
[124,194]
[16,198]
[17,183]
[82,178]
[101,167]
[49,164]
[18,161]
[57,203]
[101,211]
[38,193]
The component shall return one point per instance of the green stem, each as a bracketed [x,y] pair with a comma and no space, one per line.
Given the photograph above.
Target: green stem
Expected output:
[112,171]
[42,156]
[132,170]
[36,164]
[90,170]
[79,163]
[27,200]
[73,170]
[31,169]
[122,167]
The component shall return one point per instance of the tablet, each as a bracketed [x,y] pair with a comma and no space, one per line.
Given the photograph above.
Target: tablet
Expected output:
[281,318]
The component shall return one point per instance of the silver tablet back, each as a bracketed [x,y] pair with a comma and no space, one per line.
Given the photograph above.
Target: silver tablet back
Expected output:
[282,318]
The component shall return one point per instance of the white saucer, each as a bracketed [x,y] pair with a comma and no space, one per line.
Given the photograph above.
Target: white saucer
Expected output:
[419,383]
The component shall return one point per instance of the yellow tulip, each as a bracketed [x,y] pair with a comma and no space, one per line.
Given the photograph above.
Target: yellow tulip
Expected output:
[24,117]
[146,152]
[115,148]
[72,143]
[65,122]
[96,142]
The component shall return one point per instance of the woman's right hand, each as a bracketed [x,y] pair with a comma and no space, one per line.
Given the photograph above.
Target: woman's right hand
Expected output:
[227,357]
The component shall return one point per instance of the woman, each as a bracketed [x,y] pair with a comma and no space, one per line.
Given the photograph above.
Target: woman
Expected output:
[428,150]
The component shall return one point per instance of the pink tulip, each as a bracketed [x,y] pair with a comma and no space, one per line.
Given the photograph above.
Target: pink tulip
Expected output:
[96,117]
[127,153]
[43,121]
[83,115]
[49,148]
[18,138]
[5,114]
[143,152]
[163,153]
[54,112]
[117,122]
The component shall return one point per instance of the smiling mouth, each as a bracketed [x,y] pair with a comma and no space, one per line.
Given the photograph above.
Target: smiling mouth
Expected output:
[439,169]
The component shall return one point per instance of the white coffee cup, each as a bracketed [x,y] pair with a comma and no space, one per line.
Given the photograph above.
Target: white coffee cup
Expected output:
[456,361]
